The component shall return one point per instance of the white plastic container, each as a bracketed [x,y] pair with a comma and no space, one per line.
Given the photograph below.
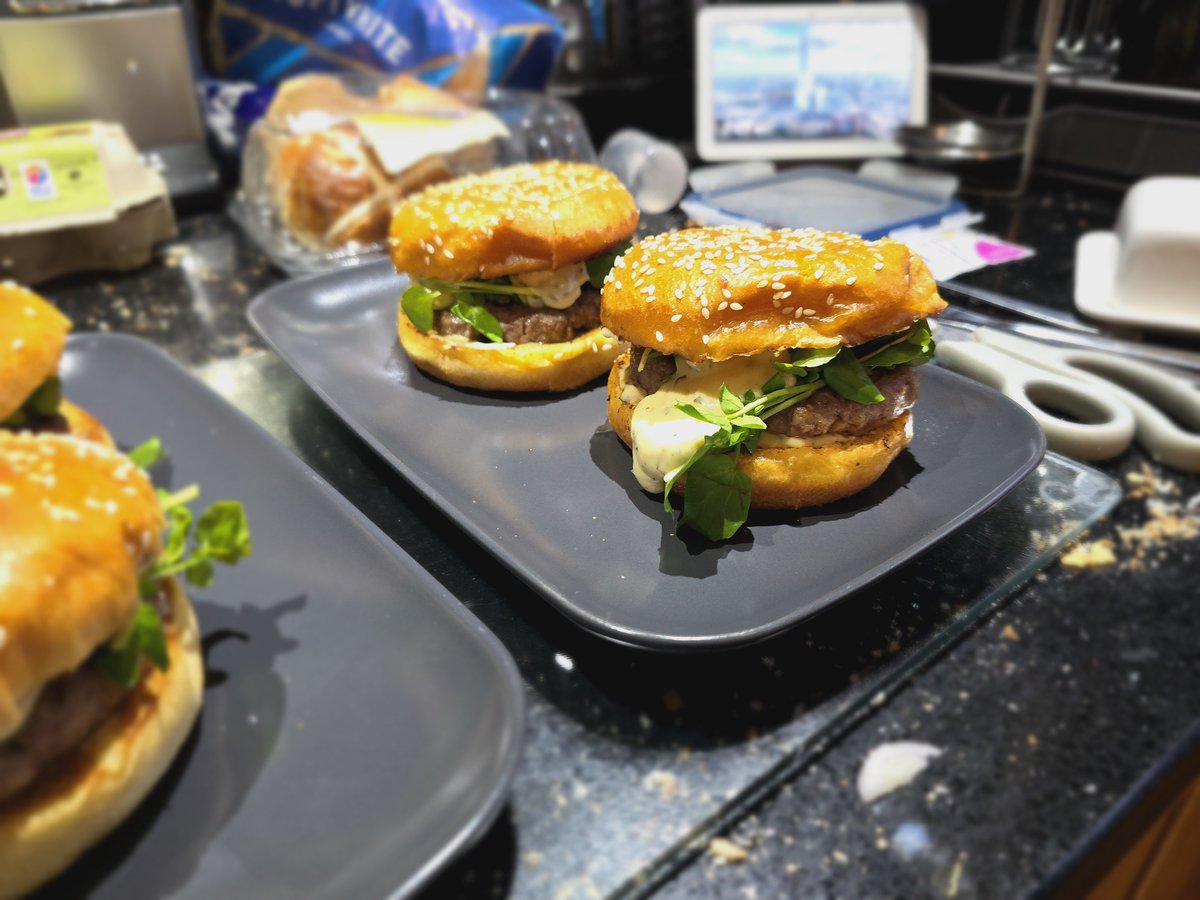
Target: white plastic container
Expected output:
[1145,273]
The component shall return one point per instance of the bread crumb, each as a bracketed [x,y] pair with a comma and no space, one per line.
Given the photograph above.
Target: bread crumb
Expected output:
[1089,555]
[1010,634]
[664,782]
[726,851]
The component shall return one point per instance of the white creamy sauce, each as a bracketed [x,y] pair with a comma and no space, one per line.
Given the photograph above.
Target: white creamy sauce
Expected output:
[664,438]
[556,288]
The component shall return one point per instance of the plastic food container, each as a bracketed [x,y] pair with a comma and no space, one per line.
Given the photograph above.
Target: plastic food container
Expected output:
[333,156]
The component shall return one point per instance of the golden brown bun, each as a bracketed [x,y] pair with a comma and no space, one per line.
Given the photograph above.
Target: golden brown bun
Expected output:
[510,367]
[526,218]
[79,522]
[790,477]
[44,829]
[32,336]
[763,290]
[84,425]
[329,186]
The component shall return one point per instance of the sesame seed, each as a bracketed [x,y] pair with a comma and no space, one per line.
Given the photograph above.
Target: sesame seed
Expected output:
[735,306]
[820,271]
[704,337]
[778,286]
[852,279]
[787,310]
[878,266]
[658,336]
[704,312]
[676,317]
[810,312]
[722,305]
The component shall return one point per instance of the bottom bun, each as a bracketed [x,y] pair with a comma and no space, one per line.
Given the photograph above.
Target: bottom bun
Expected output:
[510,367]
[84,425]
[791,477]
[45,828]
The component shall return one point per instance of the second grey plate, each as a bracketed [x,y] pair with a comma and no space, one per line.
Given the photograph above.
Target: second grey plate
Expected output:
[359,726]
[543,484]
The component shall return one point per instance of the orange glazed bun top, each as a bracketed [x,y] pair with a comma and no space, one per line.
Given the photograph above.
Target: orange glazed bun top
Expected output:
[716,293]
[32,336]
[525,218]
[78,523]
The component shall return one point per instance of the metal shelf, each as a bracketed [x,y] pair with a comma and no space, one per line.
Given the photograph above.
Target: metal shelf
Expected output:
[996,73]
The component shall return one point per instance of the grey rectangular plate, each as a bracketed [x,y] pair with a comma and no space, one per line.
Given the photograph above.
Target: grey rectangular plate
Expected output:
[359,725]
[544,485]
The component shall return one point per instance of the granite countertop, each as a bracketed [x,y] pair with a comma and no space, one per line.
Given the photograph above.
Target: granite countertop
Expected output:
[1046,713]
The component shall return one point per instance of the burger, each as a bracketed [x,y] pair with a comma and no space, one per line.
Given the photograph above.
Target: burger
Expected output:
[506,269]
[766,369]
[32,336]
[100,667]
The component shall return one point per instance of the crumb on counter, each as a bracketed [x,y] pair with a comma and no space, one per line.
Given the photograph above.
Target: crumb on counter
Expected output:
[1089,555]
[726,851]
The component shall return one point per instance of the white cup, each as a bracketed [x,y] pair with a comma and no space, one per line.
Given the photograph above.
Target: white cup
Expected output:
[654,171]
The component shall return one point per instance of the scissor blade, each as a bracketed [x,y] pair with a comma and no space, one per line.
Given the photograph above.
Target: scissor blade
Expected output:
[1151,353]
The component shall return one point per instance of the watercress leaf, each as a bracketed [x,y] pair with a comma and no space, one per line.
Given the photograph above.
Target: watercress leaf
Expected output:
[147,454]
[730,402]
[199,571]
[749,396]
[809,358]
[477,316]
[46,399]
[752,422]
[179,524]
[598,267]
[153,643]
[716,498]
[674,476]
[223,532]
[121,659]
[418,303]
[846,376]
[913,348]
[721,421]
[774,383]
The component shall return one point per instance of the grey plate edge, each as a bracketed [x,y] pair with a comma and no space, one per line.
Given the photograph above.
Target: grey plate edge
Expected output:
[595,624]
[468,833]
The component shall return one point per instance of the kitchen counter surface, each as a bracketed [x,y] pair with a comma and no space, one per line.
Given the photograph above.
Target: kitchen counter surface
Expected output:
[1046,713]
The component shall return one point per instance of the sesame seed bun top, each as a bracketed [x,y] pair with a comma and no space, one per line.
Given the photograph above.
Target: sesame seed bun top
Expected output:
[32,336]
[715,293]
[525,218]
[79,523]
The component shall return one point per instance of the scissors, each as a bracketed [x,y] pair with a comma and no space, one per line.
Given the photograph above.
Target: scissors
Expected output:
[1109,399]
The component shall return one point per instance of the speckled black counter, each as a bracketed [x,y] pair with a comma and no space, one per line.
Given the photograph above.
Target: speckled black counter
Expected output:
[1046,714]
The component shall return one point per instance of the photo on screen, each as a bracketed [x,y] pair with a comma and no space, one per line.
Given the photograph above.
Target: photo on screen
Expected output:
[810,80]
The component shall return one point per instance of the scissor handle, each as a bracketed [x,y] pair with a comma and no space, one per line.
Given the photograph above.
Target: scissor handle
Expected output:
[1107,427]
[1150,392]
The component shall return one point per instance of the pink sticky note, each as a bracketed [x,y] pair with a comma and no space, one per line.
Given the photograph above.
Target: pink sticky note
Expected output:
[993,252]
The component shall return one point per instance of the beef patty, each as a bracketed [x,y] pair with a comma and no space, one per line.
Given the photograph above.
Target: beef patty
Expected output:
[55,424]
[68,710]
[522,324]
[823,413]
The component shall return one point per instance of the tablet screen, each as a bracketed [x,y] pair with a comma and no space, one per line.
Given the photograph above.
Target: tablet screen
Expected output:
[808,80]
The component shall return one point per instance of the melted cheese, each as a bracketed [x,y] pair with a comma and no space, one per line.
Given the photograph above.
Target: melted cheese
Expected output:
[664,438]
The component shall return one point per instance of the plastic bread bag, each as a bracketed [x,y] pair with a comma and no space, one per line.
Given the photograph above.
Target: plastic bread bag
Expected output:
[461,45]
[333,156]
